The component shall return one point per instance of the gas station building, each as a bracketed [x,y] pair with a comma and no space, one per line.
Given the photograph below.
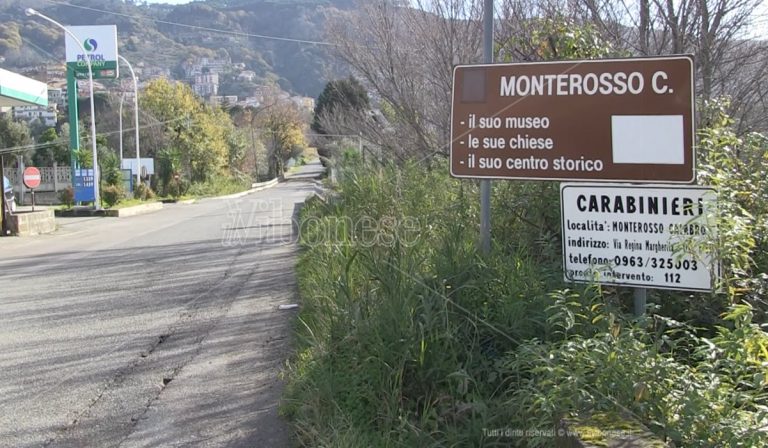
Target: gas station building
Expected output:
[17,90]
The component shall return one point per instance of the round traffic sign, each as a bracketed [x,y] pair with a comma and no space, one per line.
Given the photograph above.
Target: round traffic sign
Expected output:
[31,177]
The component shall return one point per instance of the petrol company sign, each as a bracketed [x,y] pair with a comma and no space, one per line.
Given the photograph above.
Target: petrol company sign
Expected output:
[100,45]
[623,120]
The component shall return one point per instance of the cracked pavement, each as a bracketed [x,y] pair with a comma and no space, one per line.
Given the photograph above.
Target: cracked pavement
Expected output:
[155,330]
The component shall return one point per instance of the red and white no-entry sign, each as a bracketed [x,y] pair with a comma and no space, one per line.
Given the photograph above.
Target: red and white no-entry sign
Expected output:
[31,177]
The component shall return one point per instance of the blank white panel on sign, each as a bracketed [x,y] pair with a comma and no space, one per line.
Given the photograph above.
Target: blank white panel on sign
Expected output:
[651,139]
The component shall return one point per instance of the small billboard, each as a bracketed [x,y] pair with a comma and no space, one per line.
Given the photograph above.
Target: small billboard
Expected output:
[635,235]
[147,166]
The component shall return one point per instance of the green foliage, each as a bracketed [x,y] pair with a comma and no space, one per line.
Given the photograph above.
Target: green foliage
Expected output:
[247,153]
[236,143]
[67,197]
[175,188]
[558,38]
[738,168]
[622,368]
[561,38]
[109,168]
[408,337]
[340,95]
[56,151]
[143,192]
[13,134]
[112,195]
[168,168]
[283,132]
[383,312]
[84,157]
[219,186]
[199,133]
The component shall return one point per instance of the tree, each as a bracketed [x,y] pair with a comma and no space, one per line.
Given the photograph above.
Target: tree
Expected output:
[406,55]
[728,61]
[13,135]
[346,95]
[283,130]
[56,150]
[200,133]
[237,149]
[253,157]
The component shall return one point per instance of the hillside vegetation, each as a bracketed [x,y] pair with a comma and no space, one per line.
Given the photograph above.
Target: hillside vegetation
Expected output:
[408,336]
[302,68]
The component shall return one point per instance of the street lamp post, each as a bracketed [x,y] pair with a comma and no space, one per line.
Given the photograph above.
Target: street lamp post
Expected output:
[96,197]
[135,118]
[120,127]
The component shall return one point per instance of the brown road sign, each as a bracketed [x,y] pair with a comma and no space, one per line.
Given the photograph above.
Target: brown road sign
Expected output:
[626,120]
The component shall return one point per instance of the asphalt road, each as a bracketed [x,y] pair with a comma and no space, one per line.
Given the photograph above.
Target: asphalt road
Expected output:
[156,330]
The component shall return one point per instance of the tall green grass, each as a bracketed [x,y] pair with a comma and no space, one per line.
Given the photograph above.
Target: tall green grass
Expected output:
[424,342]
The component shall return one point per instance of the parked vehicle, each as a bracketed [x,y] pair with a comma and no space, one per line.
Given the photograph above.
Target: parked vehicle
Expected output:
[10,199]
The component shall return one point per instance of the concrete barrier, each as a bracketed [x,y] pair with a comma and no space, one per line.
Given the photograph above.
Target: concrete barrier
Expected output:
[32,223]
[135,210]
[254,188]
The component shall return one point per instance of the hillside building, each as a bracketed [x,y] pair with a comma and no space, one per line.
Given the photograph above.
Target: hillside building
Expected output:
[46,115]
[206,85]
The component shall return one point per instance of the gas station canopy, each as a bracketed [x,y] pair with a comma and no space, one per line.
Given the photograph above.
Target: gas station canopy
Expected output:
[17,90]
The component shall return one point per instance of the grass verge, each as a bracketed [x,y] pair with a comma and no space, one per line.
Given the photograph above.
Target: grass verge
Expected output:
[408,337]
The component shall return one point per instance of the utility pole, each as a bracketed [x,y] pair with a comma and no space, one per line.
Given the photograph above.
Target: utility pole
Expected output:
[3,205]
[120,126]
[253,147]
[485,184]
[135,119]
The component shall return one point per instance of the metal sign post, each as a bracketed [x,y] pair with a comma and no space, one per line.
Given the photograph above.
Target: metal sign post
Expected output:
[485,184]
[640,298]
[3,205]
[31,179]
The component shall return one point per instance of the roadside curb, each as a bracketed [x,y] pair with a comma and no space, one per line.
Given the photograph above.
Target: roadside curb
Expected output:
[111,213]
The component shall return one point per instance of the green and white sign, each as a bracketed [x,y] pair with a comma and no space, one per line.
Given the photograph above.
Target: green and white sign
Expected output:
[17,90]
[100,45]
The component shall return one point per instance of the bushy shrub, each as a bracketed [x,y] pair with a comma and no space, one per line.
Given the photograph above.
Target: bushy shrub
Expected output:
[112,195]
[143,192]
[67,196]
[109,165]
[169,176]
[423,341]
[175,188]
[220,185]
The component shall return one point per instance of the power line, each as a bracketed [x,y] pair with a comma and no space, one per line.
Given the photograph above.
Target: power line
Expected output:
[202,28]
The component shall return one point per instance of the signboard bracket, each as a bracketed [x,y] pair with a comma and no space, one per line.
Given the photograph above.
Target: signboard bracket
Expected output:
[640,298]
